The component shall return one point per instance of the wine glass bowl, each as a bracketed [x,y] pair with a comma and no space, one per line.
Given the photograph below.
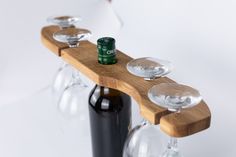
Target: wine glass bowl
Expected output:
[174,96]
[64,21]
[143,141]
[61,80]
[72,103]
[149,68]
[72,36]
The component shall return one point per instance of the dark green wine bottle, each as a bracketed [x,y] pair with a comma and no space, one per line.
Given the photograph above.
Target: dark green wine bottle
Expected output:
[109,110]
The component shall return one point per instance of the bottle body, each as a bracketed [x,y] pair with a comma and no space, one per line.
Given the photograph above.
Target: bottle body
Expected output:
[110,120]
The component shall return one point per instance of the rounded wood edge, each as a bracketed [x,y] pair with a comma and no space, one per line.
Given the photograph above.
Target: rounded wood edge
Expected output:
[188,122]
[49,42]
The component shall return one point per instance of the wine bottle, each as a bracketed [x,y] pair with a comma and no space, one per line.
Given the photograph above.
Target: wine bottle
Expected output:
[109,110]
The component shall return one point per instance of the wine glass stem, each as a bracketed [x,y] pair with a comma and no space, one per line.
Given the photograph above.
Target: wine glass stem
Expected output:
[76,79]
[63,63]
[76,76]
[144,121]
[149,78]
[173,143]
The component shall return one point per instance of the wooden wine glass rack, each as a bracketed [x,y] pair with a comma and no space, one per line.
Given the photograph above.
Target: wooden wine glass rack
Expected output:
[115,76]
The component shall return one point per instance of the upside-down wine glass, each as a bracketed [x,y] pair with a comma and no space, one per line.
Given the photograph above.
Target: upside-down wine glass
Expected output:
[149,68]
[144,139]
[63,76]
[71,102]
[174,97]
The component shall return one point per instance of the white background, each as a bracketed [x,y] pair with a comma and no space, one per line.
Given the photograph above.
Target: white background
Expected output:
[199,37]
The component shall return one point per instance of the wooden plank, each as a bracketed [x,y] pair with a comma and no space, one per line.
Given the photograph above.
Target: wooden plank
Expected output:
[84,58]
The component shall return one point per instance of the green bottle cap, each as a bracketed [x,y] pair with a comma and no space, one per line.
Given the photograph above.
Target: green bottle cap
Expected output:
[106,50]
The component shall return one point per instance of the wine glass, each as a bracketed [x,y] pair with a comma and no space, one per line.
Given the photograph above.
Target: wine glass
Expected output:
[72,36]
[144,139]
[149,68]
[63,75]
[65,21]
[70,102]
[68,88]
[174,97]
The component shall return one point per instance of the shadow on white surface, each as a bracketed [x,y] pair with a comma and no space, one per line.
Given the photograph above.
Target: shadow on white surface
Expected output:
[34,127]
